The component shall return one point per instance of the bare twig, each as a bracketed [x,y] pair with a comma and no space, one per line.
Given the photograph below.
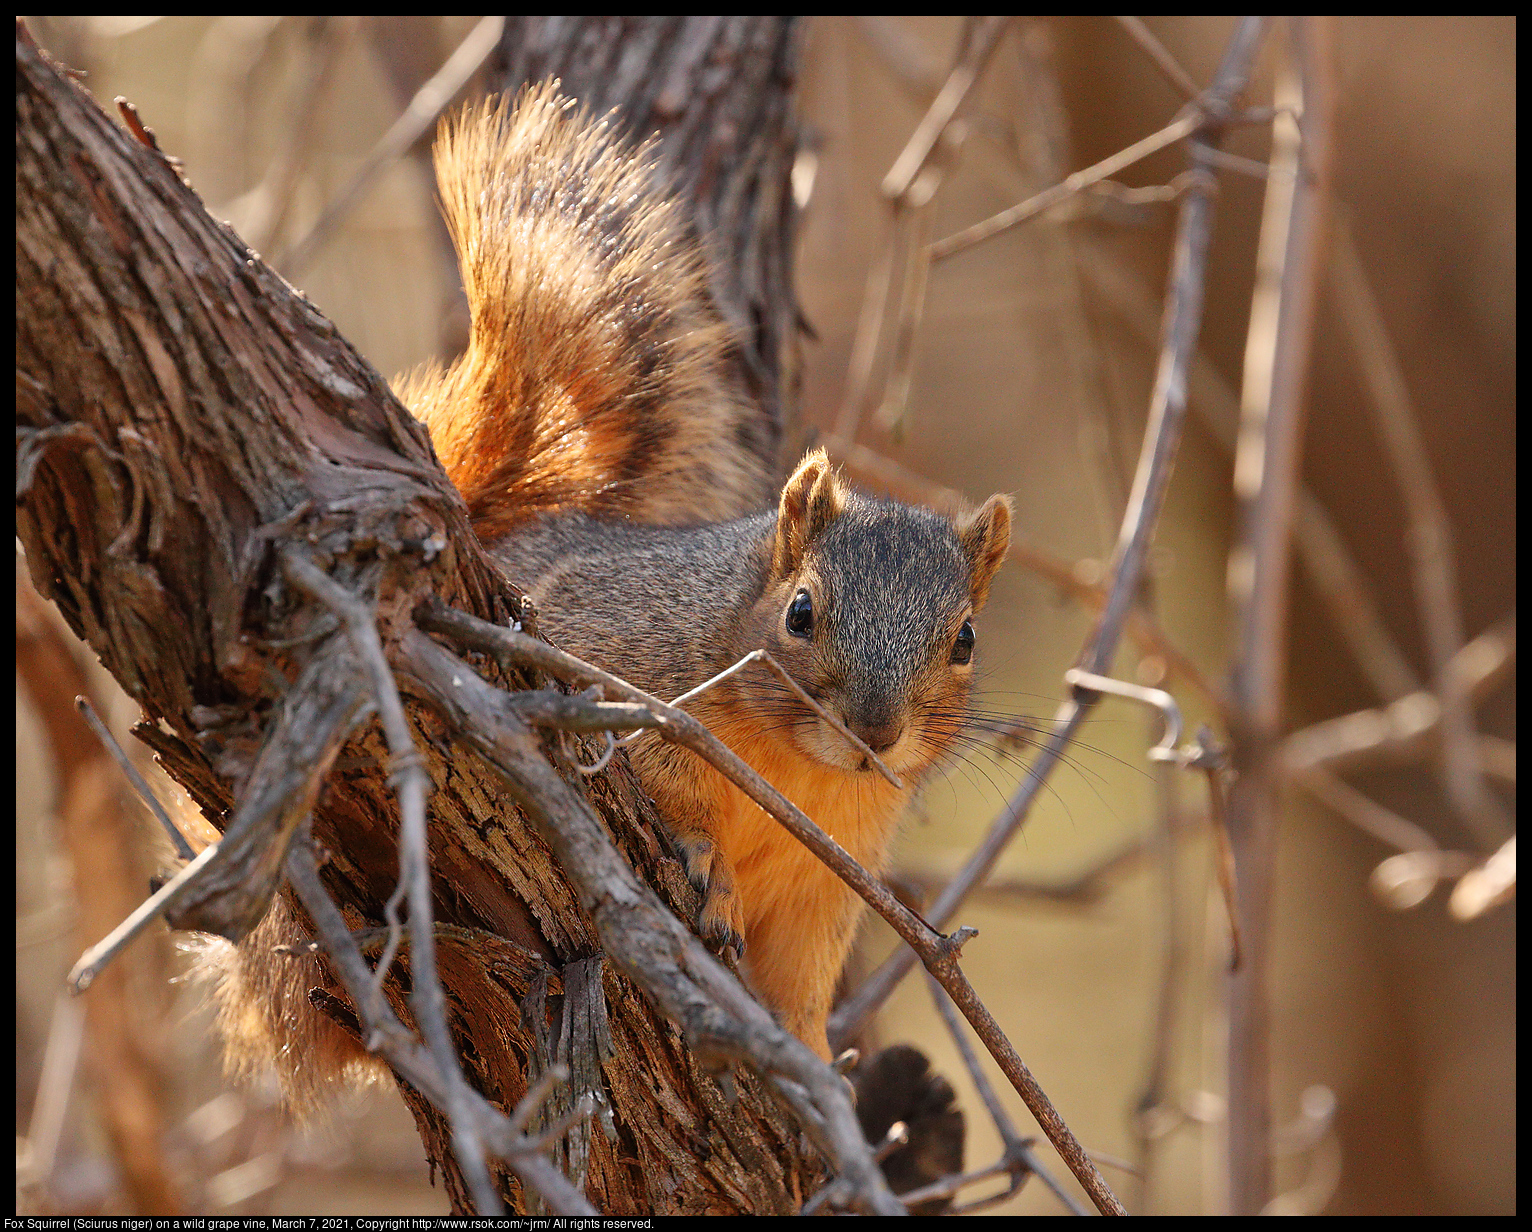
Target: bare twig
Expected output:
[869,329]
[1154,1092]
[1265,480]
[1383,824]
[1430,539]
[408,777]
[1223,860]
[1181,127]
[1017,1158]
[167,898]
[1170,68]
[260,213]
[1183,316]
[102,842]
[920,206]
[911,186]
[429,102]
[944,108]
[516,648]
[1487,886]
[109,742]
[1085,886]
[997,1113]
[1244,166]
[61,1063]
[1405,730]
[1341,585]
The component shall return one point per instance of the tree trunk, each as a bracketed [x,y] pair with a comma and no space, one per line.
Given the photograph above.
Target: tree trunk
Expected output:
[183,416]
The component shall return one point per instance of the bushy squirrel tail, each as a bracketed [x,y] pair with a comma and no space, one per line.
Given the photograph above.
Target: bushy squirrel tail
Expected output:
[593,374]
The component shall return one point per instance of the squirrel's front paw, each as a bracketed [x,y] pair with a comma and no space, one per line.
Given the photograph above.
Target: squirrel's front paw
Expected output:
[722,920]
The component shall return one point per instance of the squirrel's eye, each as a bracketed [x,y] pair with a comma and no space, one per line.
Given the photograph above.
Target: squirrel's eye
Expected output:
[962,649]
[800,615]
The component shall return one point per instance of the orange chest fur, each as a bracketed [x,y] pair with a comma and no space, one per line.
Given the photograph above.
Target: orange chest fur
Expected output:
[775,872]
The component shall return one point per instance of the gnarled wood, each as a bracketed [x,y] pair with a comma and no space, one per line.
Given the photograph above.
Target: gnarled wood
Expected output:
[182,414]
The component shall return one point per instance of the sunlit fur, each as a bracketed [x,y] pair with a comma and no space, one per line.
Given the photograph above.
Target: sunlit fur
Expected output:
[592,378]
[267,1020]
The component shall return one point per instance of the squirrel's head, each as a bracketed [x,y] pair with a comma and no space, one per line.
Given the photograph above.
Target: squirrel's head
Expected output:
[870,605]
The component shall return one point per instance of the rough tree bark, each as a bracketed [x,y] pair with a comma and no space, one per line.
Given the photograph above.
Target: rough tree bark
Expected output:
[183,416]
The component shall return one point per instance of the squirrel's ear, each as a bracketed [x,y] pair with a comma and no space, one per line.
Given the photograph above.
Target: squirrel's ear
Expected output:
[811,500]
[986,537]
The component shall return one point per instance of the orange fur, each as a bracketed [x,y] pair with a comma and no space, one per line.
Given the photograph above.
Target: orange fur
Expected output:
[799,917]
[592,375]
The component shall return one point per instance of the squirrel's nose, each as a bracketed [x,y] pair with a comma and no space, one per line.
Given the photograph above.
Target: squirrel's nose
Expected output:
[879,735]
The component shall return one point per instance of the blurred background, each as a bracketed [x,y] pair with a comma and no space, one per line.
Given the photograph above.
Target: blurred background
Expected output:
[1393,1054]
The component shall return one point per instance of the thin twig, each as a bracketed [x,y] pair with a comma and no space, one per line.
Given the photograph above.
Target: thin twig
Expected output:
[1430,538]
[1223,862]
[944,108]
[1154,1090]
[1342,587]
[516,648]
[109,742]
[259,214]
[1179,128]
[1490,884]
[167,898]
[1017,1158]
[428,104]
[1265,482]
[1170,68]
[61,1063]
[1367,815]
[1238,163]
[1404,730]
[229,886]
[912,293]
[911,186]
[1183,317]
[869,329]
[408,777]
[1007,1131]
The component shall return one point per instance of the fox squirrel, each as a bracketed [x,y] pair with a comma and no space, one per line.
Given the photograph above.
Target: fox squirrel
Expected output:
[589,431]
[601,456]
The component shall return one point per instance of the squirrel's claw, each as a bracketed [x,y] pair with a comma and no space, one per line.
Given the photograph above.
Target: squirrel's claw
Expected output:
[719,929]
[722,919]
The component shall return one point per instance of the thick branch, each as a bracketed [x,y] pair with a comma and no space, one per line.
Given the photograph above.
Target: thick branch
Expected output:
[182,413]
